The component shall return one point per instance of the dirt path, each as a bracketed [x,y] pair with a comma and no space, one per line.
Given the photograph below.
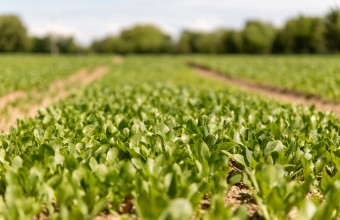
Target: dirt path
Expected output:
[288,96]
[11,97]
[55,92]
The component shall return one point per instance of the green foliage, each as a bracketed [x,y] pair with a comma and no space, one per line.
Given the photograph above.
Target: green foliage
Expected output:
[109,45]
[220,41]
[146,39]
[13,34]
[258,37]
[233,42]
[158,135]
[186,43]
[332,32]
[62,44]
[301,35]
[138,39]
[18,72]
[311,75]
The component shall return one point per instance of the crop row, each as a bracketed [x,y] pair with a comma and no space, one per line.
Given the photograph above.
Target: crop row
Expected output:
[22,72]
[312,75]
[153,140]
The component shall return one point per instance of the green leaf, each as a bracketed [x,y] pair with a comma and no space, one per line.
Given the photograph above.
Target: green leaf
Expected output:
[239,158]
[273,146]
[235,179]
[199,166]
[205,152]
[179,209]
[253,163]
[112,155]
[2,155]
[58,158]
[16,163]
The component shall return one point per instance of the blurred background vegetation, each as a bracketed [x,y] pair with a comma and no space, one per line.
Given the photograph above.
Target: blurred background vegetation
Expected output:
[301,34]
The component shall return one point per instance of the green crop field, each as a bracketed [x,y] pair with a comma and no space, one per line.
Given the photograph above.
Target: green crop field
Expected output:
[24,72]
[312,75]
[154,140]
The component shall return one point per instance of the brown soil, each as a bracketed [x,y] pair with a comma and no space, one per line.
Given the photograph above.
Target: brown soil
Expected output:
[107,216]
[11,97]
[55,92]
[239,195]
[279,94]
[316,194]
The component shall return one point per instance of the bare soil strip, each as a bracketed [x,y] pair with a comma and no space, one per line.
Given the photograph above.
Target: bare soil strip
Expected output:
[11,97]
[239,195]
[56,91]
[279,94]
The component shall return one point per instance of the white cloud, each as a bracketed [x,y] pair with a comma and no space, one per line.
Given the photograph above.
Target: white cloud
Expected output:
[41,28]
[201,25]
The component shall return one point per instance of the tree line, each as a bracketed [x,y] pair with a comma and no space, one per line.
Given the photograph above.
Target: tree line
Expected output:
[300,34]
[14,38]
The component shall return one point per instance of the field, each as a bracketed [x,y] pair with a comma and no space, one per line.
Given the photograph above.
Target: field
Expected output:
[152,139]
[25,72]
[311,75]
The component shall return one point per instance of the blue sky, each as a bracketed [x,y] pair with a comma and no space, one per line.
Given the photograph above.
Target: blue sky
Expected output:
[90,19]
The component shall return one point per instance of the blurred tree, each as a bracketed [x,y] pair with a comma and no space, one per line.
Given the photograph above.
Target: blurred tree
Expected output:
[138,39]
[109,45]
[233,42]
[332,32]
[186,43]
[64,44]
[41,44]
[258,37]
[13,34]
[196,42]
[204,43]
[280,43]
[210,42]
[102,46]
[145,39]
[219,41]
[301,35]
